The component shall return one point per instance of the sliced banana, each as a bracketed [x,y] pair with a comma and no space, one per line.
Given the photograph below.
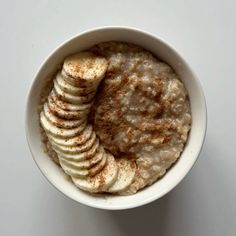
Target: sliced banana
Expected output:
[101,181]
[78,140]
[87,88]
[85,68]
[64,84]
[75,149]
[68,106]
[72,98]
[87,163]
[64,118]
[60,132]
[82,156]
[63,113]
[62,123]
[82,173]
[125,176]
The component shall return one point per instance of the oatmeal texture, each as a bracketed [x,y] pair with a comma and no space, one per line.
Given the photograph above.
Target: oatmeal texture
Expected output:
[140,117]
[141,111]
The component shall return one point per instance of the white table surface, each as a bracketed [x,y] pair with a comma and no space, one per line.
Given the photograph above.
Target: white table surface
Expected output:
[204,32]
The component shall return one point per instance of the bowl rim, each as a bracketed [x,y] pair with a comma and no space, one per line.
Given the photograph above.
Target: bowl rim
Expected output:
[203,108]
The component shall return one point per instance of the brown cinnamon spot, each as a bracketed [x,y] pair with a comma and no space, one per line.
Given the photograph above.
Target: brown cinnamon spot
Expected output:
[144,113]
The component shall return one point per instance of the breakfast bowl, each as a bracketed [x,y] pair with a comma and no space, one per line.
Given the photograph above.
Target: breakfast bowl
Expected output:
[165,53]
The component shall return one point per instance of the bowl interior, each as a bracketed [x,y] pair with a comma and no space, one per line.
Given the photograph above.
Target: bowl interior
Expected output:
[192,148]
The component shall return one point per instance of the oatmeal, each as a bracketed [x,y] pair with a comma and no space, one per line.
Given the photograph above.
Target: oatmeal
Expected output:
[141,111]
[116,118]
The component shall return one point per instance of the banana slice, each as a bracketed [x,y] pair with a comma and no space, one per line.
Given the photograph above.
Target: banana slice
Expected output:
[87,163]
[60,132]
[75,149]
[63,113]
[102,181]
[87,88]
[125,176]
[78,140]
[85,68]
[82,156]
[61,123]
[65,85]
[68,106]
[72,98]
[82,173]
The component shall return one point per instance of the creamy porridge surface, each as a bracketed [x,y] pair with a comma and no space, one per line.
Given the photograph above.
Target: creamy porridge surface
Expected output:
[140,114]
[141,111]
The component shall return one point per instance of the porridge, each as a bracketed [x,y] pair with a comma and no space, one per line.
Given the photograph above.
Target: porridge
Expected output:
[116,118]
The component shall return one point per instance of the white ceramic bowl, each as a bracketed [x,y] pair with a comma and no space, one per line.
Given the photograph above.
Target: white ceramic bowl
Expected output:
[163,51]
